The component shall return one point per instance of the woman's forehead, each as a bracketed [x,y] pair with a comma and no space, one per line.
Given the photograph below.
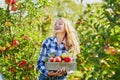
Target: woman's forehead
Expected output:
[59,20]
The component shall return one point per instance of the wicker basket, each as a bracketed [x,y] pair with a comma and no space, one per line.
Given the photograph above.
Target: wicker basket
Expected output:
[57,65]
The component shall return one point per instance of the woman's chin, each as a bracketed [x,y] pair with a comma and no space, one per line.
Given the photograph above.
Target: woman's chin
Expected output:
[58,31]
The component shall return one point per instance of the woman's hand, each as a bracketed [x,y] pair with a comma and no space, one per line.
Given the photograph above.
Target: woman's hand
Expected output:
[59,72]
[62,71]
[53,74]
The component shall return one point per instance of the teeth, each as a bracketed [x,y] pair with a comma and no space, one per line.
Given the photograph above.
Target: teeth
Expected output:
[57,28]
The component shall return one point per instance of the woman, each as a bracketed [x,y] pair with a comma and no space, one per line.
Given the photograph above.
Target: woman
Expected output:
[1,77]
[64,39]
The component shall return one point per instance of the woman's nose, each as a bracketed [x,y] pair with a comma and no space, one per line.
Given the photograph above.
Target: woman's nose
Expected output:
[56,25]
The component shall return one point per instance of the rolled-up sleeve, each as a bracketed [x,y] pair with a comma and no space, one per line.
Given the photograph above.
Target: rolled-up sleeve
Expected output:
[41,61]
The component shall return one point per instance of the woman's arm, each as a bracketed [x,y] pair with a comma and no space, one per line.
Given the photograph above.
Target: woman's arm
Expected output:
[42,58]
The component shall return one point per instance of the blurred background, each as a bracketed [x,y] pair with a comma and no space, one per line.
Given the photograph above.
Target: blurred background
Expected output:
[24,24]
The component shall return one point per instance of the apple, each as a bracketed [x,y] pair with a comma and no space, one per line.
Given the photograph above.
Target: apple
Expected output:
[14,8]
[68,59]
[8,23]
[109,50]
[79,22]
[15,42]
[51,59]
[25,78]
[113,51]
[2,48]
[22,63]
[57,59]
[28,67]
[8,1]
[25,37]
[63,55]
[13,1]
[12,69]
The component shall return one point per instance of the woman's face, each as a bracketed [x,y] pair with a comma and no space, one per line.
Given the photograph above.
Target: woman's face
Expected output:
[59,26]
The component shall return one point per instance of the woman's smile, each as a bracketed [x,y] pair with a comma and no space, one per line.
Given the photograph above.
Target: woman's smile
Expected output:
[57,28]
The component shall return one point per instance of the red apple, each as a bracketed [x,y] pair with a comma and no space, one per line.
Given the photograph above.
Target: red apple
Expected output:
[15,42]
[8,1]
[51,59]
[12,69]
[58,59]
[68,59]
[22,63]
[113,51]
[79,22]
[14,8]
[25,37]
[28,67]
[26,78]
[13,1]
[109,50]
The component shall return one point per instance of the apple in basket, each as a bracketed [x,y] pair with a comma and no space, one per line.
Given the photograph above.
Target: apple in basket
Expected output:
[51,59]
[63,55]
[68,59]
[58,59]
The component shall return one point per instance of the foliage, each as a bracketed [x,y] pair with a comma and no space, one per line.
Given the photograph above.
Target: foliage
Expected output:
[23,30]
[99,30]
[21,34]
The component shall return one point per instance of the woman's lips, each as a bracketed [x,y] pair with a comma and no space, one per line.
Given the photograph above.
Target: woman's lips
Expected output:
[57,28]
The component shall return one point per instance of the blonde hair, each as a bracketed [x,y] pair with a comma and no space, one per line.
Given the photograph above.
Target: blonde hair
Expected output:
[71,38]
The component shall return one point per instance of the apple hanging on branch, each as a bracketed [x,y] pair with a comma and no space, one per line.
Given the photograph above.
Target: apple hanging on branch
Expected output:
[14,8]
[109,50]
[22,63]
[15,42]
[13,1]
[8,23]
[10,2]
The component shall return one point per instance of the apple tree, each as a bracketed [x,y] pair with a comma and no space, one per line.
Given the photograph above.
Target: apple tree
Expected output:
[21,34]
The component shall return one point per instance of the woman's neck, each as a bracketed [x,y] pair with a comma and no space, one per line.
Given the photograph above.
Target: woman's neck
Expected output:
[60,37]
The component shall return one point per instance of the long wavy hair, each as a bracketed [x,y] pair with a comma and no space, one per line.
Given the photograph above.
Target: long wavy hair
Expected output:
[71,38]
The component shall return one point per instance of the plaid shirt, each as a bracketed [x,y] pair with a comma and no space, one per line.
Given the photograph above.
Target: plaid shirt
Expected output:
[49,46]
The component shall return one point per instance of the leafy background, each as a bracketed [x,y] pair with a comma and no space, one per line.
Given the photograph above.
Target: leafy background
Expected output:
[97,24]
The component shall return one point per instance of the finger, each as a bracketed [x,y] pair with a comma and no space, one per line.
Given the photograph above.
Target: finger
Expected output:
[51,72]
[59,71]
[63,69]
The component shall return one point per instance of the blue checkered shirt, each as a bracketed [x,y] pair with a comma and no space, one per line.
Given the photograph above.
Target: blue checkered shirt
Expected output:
[49,46]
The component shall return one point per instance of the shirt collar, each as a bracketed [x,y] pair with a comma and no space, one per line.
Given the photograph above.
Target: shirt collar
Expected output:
[55,40]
